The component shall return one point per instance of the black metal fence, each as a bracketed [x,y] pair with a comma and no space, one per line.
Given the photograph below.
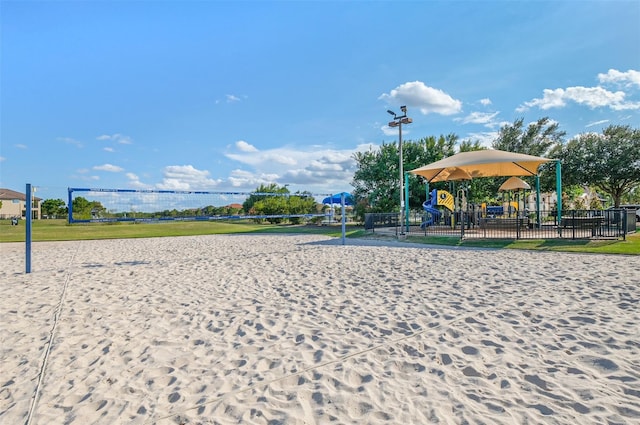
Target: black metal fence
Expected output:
[477,223]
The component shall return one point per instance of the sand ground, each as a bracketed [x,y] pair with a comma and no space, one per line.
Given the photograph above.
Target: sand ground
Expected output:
[282,329]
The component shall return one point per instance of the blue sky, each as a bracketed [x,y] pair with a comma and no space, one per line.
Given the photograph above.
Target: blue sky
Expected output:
[225,96]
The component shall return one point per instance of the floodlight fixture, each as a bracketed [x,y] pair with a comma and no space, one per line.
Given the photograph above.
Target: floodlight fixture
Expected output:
[391,112]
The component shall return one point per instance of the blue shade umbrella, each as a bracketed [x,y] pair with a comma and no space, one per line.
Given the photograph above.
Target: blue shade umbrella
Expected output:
[337,199]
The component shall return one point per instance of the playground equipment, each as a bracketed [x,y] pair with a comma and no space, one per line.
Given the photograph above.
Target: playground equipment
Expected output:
[498,210]
[436,198]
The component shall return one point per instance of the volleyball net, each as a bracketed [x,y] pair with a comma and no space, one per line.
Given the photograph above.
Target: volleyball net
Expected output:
[86,205]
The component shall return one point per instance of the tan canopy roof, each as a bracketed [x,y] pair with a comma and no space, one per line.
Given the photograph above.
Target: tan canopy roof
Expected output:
[458,174]
[514,183]
[484,163]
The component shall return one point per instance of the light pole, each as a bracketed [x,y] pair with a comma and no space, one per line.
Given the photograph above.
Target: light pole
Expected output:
[398,120]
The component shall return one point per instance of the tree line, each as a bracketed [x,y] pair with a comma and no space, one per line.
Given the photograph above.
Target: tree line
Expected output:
[609,162]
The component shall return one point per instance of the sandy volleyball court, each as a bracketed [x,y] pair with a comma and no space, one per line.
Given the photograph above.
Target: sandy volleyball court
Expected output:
[275,329]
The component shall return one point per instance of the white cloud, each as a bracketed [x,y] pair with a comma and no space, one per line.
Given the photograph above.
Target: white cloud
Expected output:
[117,138]
[108,167]
[333,169]
[393,131]
[251,156]
[318,169]
[249,181]
[591,124]
[624,78]
[592,97]
[186,177]
[108,149]
[427,99]
[313,168]
[70,141]
[83,175]
[21,146]
[280,158]
[485,138]
[245,147]
[134,181]
[232,98]
[485,102]
[485,118]
[2,158]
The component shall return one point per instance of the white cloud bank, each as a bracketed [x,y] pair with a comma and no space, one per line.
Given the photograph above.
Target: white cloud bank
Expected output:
[629,78]
[427,99]
[312,168]
[186,177]
[592,97]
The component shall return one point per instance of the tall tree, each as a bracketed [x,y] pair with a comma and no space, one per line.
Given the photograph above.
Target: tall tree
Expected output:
[610,161]
[253,198]
[84,209]
[53,208]
[537,139]
[376,179]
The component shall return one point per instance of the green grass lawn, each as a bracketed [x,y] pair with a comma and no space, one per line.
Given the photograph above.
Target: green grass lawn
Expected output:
[59,230]
[629,246]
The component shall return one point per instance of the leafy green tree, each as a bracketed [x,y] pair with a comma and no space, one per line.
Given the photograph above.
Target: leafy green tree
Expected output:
[81,207]
[423,152]
[375,181]
[271,205]
[282,203]
[537,139]
[610,161]
[248,204]
[84,209]
[301,203]
[53,208]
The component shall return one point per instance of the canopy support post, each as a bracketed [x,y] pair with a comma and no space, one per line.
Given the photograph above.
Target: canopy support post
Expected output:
[406,200]
[538,201]
[559,190]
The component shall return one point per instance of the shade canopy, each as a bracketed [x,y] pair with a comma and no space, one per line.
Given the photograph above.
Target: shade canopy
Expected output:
[337,199]
[514,183]
[483,163]
[459,174]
